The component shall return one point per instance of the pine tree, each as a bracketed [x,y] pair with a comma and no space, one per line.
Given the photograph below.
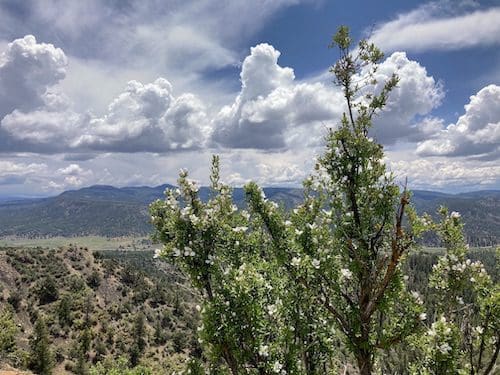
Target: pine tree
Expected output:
[41,357]
[139,341]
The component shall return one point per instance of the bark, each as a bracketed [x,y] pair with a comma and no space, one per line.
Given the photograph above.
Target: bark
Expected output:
[365,365]
[230,360]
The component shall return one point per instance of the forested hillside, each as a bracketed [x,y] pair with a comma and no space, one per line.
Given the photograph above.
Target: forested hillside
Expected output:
[100,210]
[95,306]
[110,211]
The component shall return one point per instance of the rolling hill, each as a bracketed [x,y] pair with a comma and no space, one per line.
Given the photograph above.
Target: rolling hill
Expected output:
[110,211]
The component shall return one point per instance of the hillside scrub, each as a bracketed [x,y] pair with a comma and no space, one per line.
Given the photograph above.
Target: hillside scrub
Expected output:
[93,326]
[320,288]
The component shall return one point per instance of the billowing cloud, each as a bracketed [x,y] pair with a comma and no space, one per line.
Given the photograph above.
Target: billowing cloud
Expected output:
[33,116]
[477,131]
[437,26]
[58,129]
[416,94]
[27,70]
[274,111]
[74,175]
[271,103]
[147,117]
[40,130]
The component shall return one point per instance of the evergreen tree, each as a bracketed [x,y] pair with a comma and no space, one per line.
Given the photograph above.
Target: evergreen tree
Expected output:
[41,357]
[8,331]
[139,340]
[47,290]
[64,311]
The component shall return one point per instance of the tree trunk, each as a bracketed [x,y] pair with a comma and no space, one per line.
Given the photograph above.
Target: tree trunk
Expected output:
[364,359]
[230,360]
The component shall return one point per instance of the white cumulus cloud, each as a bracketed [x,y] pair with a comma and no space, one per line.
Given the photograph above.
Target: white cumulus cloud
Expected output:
[271,104]
[273,110]
[477,131]
[416,94]
[27,70]
[148,117]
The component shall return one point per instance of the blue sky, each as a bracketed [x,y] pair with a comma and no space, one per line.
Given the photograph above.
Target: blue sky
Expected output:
[128,92]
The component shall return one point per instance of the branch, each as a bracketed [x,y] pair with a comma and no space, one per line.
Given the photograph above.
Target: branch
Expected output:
[493,358]
[397,338]
[343,323]
[344,295]
[374,239]
[397,251]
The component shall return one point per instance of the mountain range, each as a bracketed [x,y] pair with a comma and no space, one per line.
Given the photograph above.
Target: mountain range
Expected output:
[109,211]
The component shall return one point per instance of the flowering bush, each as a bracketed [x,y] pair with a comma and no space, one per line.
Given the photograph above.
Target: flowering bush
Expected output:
[300,292]
[465,338]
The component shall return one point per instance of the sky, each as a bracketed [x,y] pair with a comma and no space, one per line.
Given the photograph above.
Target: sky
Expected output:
[125,93]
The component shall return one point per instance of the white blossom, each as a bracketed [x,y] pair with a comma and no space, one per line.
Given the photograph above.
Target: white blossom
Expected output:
[188,252]
[422,316]
[272,309]
[240,229]
[455,215]
[315,263]
[185,212]
[277,367]
[311,226]
[444,348]
[157,253]
[416,296]
[264,350]
[346,273]
[296,261]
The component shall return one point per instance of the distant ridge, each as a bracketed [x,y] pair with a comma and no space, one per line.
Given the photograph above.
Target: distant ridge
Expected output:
[110,211]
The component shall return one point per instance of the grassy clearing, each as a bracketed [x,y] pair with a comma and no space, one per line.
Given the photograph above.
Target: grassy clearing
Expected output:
[440,250]
[90,242]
